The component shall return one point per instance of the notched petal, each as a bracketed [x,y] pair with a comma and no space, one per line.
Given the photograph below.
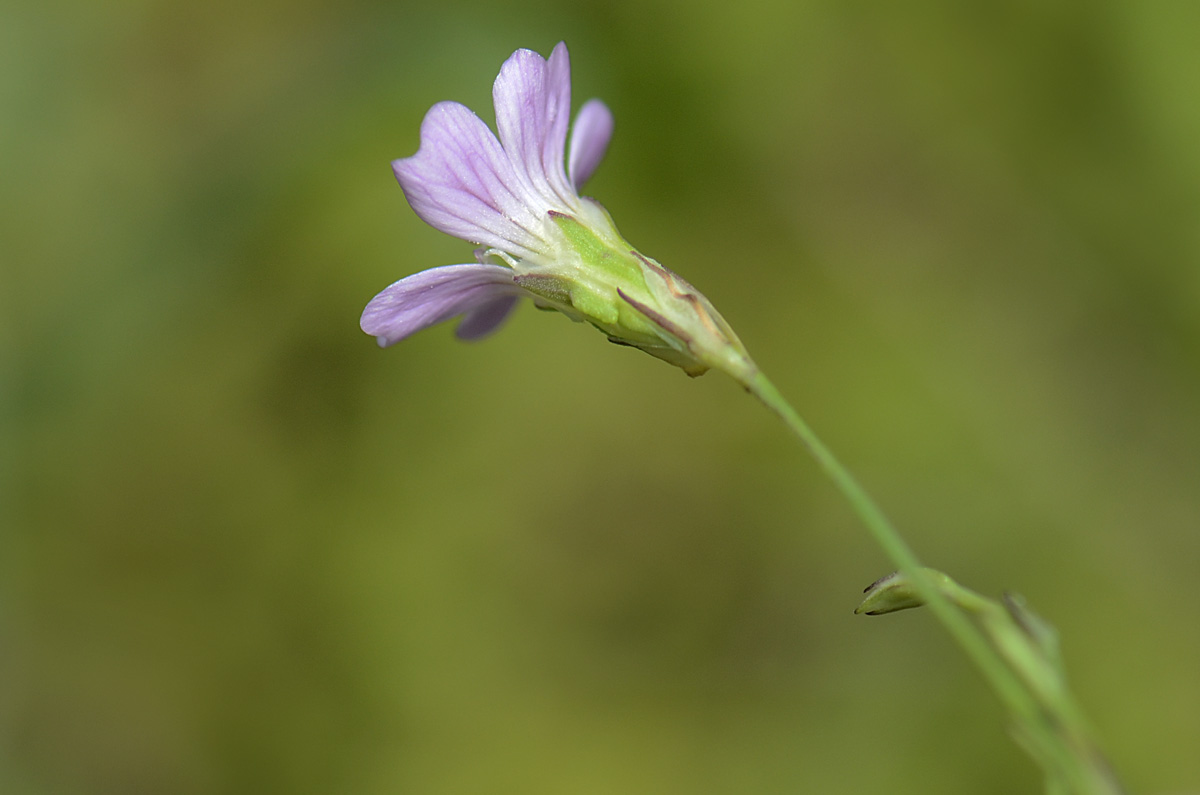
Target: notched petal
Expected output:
[532,97]
[432,296]
[589,141]
[462,183]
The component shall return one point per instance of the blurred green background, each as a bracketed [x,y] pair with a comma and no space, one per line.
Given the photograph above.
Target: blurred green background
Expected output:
[244,550]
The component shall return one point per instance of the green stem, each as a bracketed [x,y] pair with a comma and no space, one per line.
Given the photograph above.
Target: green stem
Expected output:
[894,546]
[1063,762]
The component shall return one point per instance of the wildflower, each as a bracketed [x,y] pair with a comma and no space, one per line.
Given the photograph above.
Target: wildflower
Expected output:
[539,238]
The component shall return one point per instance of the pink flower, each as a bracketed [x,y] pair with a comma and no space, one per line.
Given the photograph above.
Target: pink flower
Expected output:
[513,196]
[500,193]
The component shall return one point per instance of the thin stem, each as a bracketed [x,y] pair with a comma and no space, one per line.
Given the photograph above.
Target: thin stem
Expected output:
[894,546]
[1063,762]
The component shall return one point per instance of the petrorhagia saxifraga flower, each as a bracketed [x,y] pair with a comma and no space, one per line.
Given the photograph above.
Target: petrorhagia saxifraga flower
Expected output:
[539,237]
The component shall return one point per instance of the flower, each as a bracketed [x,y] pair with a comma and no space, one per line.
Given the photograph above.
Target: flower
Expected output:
[539,238]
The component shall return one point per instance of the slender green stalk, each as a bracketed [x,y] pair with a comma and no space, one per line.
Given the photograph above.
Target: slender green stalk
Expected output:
[894,546]
[1068,763]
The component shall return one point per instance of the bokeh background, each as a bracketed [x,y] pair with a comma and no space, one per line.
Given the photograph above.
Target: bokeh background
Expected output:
[244,550]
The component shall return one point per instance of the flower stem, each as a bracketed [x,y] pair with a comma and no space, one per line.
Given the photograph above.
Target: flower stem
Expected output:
[1068,765]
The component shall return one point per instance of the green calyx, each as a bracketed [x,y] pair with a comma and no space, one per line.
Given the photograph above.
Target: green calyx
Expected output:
[601,279]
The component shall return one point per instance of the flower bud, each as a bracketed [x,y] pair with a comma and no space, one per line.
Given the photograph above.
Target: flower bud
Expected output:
[896,592]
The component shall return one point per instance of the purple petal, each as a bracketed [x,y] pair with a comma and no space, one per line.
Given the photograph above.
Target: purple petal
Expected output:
[532,97]
[461,182]
[483,320]
[429,297]
[589,140]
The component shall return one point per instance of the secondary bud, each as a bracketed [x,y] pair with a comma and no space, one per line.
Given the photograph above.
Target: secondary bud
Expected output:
[896,592]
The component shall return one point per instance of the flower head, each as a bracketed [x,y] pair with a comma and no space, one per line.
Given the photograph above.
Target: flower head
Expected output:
[518,197]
